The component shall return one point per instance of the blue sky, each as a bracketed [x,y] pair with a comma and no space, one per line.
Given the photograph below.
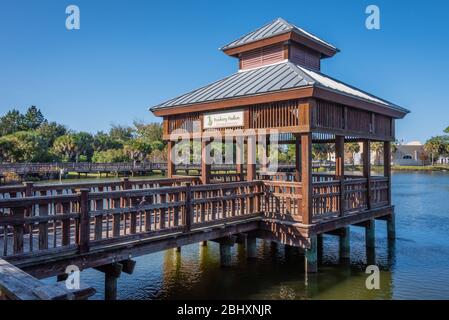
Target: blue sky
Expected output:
[130,55]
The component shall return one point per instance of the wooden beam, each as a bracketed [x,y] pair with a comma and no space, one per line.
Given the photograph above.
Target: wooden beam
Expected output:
[306,177]
[367,169]
[170,160]
[251,164]
[205,161]
[340,168]
[387,167]
[297,158]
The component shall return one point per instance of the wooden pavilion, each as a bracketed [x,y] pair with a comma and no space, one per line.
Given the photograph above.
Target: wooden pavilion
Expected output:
[280,87]
[280,94]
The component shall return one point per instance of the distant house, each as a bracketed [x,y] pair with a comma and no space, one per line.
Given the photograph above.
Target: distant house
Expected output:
[410,154]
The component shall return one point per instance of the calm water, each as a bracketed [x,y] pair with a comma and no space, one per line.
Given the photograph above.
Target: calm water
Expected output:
[416,267]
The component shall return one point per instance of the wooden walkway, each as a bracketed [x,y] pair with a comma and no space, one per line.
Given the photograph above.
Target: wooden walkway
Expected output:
[44,228]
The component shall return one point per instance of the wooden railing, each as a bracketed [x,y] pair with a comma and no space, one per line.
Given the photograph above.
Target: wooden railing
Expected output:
[31,189]
[76,217]
[327,201]
[283,200]
[77,222]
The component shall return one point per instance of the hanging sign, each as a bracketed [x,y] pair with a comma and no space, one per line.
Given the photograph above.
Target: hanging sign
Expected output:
[229,119]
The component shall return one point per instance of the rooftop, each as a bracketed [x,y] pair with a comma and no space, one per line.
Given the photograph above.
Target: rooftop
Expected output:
[274,28]
[268,79]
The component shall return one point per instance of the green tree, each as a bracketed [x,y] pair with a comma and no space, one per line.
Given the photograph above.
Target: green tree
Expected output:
[378,148]
[352,148]
[11,122]
[84,145]
[65,147]
[33,118]
[437,146]
[446,130]
[151,132]
[50,131]
[102,142]
[24,146]
[111,155]
[320,151]
[121,133]
[137,149]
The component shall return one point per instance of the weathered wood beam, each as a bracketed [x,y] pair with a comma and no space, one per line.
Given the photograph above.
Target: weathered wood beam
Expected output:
[306,177]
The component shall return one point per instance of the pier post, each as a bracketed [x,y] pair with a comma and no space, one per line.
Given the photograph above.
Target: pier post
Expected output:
[226,244]
[178,249]
[320,247]
[391,227]
[311,258]
[370,238]
[225,255]
[370,241]
[344,241]
[203,243]
[111,274]
[251,248]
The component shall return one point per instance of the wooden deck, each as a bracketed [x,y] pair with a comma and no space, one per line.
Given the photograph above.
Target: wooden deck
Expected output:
[92,224]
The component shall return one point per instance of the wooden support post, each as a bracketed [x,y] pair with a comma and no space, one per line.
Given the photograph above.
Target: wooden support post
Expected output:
[370,237]
[84,221]
[205,162]
[251,248]
[306,177]
[311,258]
[111,274]
[387,167]
[203,243]
[178,249]
[391,226]
[239,151]
[344,242]
[170,160]
[320,245]
[340,169]
[188,209]
[251,164]
[225,255]
[367,170]
[297,158]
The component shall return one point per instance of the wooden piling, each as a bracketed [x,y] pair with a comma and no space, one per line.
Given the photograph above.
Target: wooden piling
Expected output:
[344,242]
[251,248]
[311,258]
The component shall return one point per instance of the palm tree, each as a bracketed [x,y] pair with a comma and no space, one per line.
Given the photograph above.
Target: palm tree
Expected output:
[378,148]
[352,148]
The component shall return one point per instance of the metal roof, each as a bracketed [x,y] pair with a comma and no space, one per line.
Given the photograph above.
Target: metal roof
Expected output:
[272,78]
[274,28]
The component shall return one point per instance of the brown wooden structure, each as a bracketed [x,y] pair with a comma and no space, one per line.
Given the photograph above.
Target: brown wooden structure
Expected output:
[104,225]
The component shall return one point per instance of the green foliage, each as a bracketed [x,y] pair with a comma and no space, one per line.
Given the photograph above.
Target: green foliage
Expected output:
[29,137]
[121,133]
[50,131]
[111,155]
[137,149]
[438,146]
[24,146]
[11,122]
[150,132]
[33,118]
[102,142]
